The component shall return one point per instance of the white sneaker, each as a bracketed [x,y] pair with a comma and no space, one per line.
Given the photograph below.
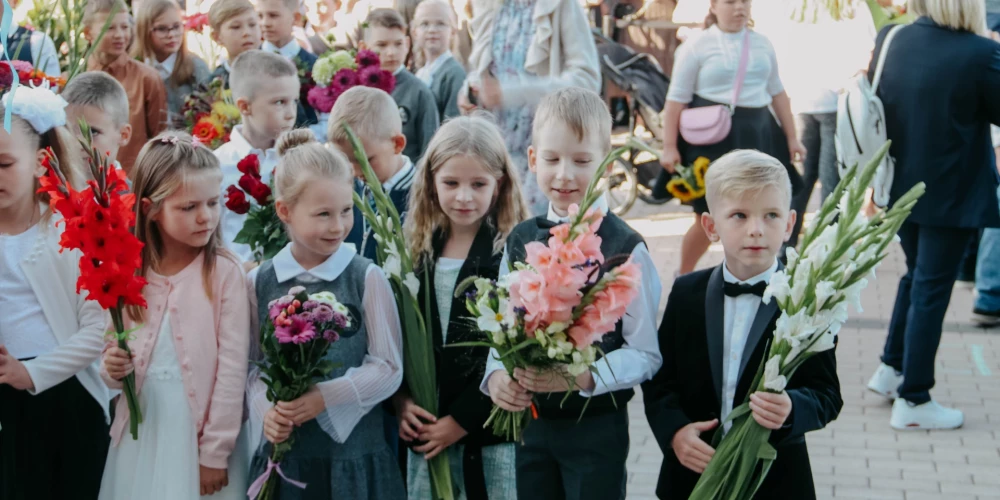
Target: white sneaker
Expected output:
[928,416]
[886,381]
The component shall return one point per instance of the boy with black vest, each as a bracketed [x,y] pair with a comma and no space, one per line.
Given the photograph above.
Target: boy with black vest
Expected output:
[565,455]
[716,331]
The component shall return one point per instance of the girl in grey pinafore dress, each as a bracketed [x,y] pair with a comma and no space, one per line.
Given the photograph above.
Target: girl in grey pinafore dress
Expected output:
[362,467]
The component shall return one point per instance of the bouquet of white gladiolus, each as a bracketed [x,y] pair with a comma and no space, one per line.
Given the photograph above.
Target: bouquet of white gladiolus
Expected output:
[840,250]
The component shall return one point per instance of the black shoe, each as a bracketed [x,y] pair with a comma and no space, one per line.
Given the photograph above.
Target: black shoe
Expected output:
[985,318]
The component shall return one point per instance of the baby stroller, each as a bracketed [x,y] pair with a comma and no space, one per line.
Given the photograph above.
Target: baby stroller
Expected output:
[642,79]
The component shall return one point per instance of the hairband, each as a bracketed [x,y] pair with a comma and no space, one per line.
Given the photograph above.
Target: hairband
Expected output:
[169,139]
[39,106]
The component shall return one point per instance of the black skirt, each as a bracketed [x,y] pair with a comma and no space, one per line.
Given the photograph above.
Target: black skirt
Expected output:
[52,445]
[753,128]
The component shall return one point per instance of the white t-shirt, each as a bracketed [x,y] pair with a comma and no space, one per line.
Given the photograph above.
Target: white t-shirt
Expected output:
[706,66]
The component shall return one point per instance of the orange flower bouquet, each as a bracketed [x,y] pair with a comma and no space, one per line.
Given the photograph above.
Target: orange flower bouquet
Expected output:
[209,114]
[98,221]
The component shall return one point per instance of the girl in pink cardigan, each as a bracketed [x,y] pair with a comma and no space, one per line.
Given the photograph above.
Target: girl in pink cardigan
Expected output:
[191,349]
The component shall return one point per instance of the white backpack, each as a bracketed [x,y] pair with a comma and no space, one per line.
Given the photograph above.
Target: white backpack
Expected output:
[861,127]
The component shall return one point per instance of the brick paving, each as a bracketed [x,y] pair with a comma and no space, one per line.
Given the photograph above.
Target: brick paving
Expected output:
[859,455]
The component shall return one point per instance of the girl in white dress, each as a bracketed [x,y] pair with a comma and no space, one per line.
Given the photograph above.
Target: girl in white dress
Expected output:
[191,347]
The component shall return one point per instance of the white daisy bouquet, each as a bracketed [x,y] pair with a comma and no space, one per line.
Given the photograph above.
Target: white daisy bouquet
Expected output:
[841,248]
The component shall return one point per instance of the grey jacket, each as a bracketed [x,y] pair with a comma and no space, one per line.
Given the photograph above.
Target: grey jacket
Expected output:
[419,112]
[447,83]
[176,95]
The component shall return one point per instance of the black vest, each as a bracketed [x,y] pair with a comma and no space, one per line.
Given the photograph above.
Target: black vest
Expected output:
[617,241]
[19,45]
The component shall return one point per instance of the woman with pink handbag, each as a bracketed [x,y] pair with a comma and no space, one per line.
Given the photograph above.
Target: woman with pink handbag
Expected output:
[723,87]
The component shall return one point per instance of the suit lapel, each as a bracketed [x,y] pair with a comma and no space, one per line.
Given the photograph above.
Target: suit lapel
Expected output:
[765,313]
[715,328]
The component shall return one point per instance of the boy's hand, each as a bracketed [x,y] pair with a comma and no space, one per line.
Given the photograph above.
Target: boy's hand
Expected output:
[770,410]
[553,380]
[303,409]
[277,429]
[13,372]
[117,362]
[411,418]
[507,393]
[213,480]
[691,451]
[439,436]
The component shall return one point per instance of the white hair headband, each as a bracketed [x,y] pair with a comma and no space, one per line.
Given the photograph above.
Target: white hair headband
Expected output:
[38,106]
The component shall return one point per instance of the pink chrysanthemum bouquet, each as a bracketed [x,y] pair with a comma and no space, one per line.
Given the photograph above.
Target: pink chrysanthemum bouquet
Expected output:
[294,342]
[552,309]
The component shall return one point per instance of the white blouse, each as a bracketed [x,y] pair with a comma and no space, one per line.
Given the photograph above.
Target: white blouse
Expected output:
[445,278]
[706,66]
[23,327]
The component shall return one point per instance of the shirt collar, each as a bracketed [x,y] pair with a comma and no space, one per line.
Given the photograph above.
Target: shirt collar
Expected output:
[288,51]
[166,67]
[601,204]
[242,147]
[225,64]
[286,267]
[398,70]
[398,177]
[426,73]
[764,276]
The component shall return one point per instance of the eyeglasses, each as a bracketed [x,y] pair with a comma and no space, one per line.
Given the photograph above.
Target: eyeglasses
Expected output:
[167,30]
[433,25]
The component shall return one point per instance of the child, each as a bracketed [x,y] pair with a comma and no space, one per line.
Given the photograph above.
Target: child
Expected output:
[146,93]
[385,33]
[162,44]
[466,200]
[566,455]
[35,47]
[266,88]
[434,29]
[190,346]
[714,335]
[373,116]
[101,101]
[235,26]
[53,405]
[278,18]
[340,449]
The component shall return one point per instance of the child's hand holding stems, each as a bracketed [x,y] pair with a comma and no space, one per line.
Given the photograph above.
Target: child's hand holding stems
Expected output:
[284,415]
[416,423]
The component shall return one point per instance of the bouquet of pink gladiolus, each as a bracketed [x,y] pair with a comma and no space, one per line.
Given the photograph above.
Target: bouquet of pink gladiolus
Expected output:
[552,309]
[294,343]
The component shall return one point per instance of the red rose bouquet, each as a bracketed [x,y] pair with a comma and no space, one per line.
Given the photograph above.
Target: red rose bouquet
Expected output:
[98,221]
[338,71]
[263,231]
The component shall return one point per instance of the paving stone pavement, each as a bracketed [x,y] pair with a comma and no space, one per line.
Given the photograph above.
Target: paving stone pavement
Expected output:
[859,455]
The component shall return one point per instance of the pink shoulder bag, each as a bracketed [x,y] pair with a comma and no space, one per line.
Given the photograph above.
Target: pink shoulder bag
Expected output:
[711,124]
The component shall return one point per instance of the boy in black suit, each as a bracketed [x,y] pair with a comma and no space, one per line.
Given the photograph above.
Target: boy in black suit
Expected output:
[714,334]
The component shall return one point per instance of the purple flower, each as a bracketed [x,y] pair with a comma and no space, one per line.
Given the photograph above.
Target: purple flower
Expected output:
[331,336]
[344,80]
[373,76]
[309,305]
[278,305]
[340,321]
[322,314]
[367,59]
[299,331]
[23,66]
[322,98]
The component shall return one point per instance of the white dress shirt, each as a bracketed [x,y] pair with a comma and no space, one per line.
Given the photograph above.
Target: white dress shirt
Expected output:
[639,357]
[23,327]
[351,396]
[229,155]
[43,53]
[288,51]
[166,67]
[706,66]
[739,315]
[426,73]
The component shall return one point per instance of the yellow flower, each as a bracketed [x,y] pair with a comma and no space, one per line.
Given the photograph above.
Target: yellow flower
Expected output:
[700,167]
[681,190]
[225,112]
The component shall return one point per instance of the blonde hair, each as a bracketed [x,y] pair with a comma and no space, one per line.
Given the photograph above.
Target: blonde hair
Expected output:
[583,111]
[959,15]
[100,90]
[291,5]
[224,10]
[385,18]
[255,66]
[62,145]
[370,112]
[744,171]
[148,12]
[95,8]
[479,139]
[160,170]
[302,157]
[418,51]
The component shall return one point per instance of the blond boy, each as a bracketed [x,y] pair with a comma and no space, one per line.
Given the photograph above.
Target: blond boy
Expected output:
[97,98]
[236,26]
[278,19]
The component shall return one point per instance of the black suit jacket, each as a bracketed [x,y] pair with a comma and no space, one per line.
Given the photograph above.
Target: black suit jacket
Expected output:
[689,385]
[941,92]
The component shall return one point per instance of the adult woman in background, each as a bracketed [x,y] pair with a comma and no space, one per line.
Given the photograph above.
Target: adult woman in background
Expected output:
[941,90]
[705,74]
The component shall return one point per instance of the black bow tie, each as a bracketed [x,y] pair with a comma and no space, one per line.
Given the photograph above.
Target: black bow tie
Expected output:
[737,289]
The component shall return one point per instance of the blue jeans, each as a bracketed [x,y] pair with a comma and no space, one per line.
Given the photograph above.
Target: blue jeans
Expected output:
[988,270]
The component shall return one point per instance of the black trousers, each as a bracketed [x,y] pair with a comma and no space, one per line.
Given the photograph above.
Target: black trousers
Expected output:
[564,459]
[53,445]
